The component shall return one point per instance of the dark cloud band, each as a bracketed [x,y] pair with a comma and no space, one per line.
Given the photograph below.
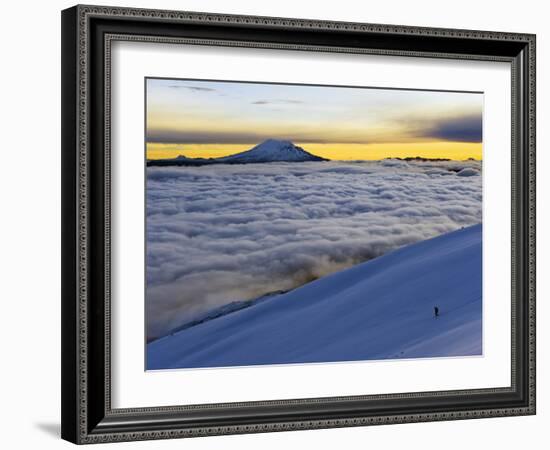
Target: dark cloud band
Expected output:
[193,88]
[457,129]
[189,137]
[278,102]
[462,129]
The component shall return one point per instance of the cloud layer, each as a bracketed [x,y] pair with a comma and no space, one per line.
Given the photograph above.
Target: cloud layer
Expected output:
[217,234]
[465,128]
[462,129]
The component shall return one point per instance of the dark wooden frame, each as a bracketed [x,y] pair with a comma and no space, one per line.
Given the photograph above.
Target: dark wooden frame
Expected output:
[87,32]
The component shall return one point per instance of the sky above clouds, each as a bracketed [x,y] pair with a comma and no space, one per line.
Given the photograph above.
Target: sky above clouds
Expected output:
[211,119]
[223,233]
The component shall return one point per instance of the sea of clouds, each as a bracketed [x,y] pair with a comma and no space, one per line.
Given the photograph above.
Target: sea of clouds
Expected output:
[222,233]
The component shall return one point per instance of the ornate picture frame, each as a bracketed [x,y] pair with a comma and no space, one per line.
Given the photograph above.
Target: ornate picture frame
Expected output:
[88,415]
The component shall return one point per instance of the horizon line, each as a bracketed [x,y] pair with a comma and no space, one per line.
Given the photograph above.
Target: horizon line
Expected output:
[418,150]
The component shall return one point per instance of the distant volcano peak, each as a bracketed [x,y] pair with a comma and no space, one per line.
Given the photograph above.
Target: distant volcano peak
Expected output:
[272,150]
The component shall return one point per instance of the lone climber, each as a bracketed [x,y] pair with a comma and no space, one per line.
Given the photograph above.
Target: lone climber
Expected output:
[436,311]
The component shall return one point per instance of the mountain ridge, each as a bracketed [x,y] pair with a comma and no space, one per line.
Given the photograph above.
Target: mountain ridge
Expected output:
[270,150]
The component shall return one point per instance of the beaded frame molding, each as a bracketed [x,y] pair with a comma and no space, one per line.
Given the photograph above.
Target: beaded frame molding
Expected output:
[87,35]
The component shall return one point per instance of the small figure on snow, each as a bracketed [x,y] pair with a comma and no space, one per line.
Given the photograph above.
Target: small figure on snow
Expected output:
[436,311]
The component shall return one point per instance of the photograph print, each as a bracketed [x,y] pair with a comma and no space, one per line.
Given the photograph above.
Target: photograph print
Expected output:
[295,224]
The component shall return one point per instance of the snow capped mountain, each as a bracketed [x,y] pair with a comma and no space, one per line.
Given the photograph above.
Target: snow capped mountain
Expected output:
[380,309]
[271,150]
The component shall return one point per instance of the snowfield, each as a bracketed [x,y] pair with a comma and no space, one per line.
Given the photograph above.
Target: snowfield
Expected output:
[379,309]
[224,233]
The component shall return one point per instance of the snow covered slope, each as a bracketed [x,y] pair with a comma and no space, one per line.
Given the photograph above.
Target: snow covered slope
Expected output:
[380,309]
[271,150]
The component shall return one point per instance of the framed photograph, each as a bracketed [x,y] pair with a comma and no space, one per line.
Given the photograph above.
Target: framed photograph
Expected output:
[267,222]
